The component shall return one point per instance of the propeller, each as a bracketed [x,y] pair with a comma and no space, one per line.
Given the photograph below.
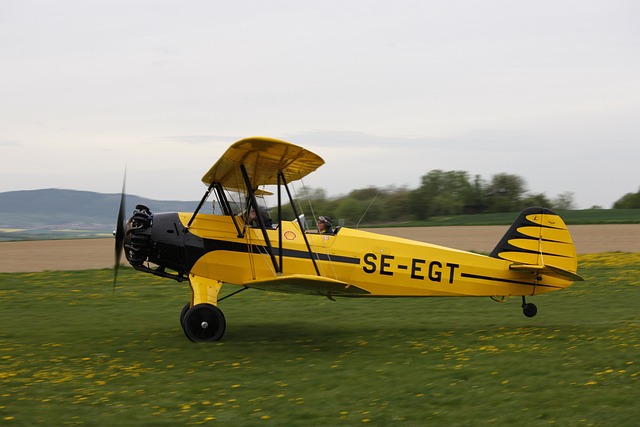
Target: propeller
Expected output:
[119,233]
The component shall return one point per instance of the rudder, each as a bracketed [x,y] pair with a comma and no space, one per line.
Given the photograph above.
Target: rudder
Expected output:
[538,237]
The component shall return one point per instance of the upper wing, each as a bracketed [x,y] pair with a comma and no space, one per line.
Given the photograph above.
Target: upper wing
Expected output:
[263,158]
[307,284]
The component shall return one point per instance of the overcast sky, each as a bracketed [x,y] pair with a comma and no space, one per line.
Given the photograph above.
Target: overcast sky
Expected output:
[384,91]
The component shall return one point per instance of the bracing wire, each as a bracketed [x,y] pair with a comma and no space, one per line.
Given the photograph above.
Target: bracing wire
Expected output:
[241,203]
[306,192]
[367,210]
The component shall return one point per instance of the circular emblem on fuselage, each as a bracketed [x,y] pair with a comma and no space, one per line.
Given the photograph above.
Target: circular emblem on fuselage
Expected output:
[290,235]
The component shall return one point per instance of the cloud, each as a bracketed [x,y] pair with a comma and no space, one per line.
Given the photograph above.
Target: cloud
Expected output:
[9,143]
[388,94]
[201,139]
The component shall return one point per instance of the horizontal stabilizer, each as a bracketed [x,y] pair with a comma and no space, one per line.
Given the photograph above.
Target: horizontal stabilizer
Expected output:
[307,284]
[549,270]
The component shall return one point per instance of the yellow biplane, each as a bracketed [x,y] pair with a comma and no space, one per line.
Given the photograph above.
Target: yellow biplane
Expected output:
[535,256]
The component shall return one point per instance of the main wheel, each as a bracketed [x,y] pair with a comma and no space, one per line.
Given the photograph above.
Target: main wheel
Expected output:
[204,323]
[183,313]
[529,309]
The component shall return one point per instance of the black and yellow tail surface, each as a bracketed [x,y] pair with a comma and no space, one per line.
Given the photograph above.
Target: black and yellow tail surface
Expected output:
[538,237]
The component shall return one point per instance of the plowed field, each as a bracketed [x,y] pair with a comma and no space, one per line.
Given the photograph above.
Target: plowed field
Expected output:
[98,253]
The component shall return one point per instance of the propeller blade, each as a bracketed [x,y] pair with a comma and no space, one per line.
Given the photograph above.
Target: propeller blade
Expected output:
[119,233]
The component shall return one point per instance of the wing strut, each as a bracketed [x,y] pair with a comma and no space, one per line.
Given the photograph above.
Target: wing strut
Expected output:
[280,255]
[282,182]
[295,212]
[204,199]
[226,207]
[259,217]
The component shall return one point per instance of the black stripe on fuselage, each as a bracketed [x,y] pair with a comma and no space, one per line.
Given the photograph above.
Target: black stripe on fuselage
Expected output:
[498,279]
[211,245]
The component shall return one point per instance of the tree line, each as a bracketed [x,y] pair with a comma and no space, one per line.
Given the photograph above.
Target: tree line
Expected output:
[628,201]
[440,193]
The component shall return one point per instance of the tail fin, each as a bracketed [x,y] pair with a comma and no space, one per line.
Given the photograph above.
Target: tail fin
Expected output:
[539,241]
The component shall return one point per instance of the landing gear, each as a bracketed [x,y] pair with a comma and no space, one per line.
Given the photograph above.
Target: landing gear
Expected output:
[204,323]
[183,313]
[529,309]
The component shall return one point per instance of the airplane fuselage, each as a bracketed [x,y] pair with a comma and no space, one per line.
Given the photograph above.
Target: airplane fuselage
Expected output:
[375,264]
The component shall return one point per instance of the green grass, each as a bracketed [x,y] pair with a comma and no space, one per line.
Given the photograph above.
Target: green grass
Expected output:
[72,352]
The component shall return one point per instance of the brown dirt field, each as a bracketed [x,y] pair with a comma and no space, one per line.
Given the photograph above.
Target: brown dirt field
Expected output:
[84,254]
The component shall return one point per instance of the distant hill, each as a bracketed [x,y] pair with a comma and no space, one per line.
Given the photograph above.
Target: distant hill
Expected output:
[60,214]
[67,213]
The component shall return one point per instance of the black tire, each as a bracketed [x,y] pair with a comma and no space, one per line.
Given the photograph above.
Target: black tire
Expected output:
[183,313]
[529,309]
[204,323]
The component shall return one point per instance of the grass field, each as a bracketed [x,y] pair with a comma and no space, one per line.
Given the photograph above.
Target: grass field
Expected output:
[72,352]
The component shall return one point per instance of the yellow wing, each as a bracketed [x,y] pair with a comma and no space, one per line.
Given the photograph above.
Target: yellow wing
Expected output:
[307,284]
[263,158]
